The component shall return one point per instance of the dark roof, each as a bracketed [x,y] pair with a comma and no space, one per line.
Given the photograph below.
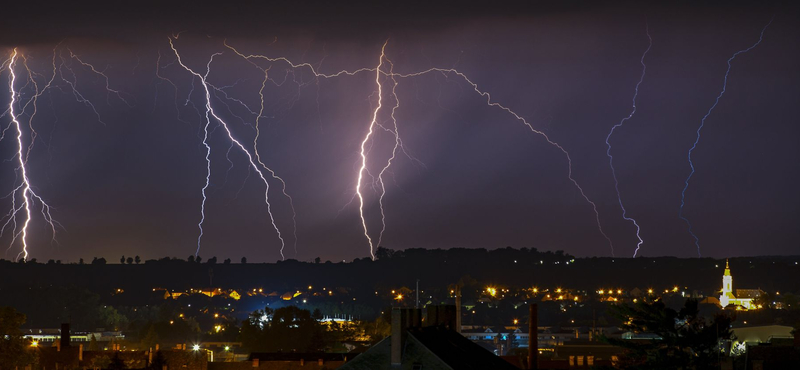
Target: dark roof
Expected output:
[296,356]
[748,293]
[456,351]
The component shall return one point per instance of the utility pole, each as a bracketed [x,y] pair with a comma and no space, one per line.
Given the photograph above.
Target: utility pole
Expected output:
[417,293]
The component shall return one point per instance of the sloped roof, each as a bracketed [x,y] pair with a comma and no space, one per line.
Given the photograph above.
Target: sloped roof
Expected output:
[435,348]
[748,293]
[456,351]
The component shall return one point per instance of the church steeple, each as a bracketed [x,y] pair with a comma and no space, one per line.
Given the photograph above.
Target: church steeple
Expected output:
[727,286]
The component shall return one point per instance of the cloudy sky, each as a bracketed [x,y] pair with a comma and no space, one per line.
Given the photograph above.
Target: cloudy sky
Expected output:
[123,166]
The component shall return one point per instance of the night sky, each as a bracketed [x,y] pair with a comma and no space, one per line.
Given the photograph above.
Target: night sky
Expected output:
[129,183]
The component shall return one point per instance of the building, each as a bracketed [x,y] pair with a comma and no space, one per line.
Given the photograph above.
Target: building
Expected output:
[743,297]
[436,346]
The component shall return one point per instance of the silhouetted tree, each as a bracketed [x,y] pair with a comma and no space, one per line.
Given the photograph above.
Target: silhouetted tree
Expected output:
[198,259]
[227,261]
[122,259]
[13,345]
[80,262]
[137,260]
[99,261]
[244,260]
[151,338]
[93,344]
[190,259]
[285,329]
[317,260]
[212,261]
[129,260]
[687,341]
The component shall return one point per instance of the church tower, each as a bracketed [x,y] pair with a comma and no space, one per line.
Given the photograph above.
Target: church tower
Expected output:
[727,287]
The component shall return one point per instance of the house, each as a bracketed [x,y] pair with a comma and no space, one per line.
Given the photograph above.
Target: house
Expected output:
[435,346]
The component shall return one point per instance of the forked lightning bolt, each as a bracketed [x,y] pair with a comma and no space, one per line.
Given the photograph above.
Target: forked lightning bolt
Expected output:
[697,138]
[18,110]
[24,190]
[608,144]
[378,181]
[209,113]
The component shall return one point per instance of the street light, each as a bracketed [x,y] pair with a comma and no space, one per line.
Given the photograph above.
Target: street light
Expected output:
[196,347]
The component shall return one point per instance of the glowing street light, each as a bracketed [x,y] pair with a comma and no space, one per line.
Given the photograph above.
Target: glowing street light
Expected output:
[196,347]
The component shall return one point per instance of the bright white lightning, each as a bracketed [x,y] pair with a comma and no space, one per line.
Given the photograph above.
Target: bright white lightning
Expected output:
[24,190]
[363,154]
[210,113]
[398,143]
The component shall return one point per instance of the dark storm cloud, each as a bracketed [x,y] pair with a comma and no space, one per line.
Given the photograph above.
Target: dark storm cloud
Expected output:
[133,186]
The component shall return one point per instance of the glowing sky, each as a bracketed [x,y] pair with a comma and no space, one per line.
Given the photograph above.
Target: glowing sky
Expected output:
[133,185]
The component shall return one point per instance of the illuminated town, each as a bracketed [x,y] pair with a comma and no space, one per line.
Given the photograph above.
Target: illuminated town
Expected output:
[278,185]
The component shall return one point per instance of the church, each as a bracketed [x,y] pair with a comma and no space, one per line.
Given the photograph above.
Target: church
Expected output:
[743,297]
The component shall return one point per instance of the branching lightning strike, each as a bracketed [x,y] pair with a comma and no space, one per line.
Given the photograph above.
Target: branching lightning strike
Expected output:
[209,113]
[377,181]
[702,124]
[18,109]
[24,190]
[608,144]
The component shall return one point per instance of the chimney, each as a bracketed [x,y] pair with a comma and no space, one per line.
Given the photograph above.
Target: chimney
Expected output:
[533,338]
[80,352]
[442,315]
[458,308]
[64,335]
[402,319]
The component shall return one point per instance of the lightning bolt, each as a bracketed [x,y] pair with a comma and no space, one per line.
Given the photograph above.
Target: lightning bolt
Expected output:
[702,124]
[211,113]
[491,103]
[366,143]
[608,144]
[24,190]
[363,154]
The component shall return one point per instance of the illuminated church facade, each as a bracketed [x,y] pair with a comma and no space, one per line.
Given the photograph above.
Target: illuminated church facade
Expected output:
[743,297]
